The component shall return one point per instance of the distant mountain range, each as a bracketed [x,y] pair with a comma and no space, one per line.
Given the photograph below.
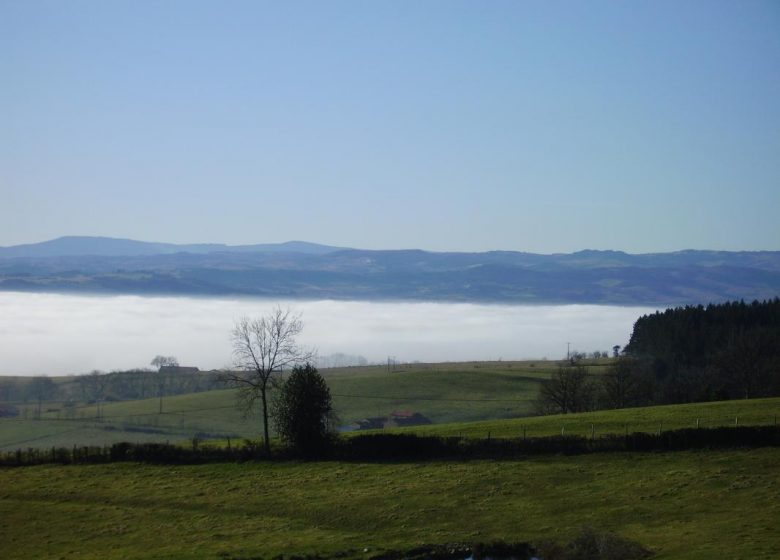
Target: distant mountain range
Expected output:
[298,269]
[76,246]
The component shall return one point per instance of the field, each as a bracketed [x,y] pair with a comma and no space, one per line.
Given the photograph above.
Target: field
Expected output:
[693,505]
[651,419]
[467,399]
[461,392]
[457,392]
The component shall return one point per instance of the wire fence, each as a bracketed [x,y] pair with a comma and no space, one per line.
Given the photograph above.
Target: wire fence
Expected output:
[395,447]
[188,423]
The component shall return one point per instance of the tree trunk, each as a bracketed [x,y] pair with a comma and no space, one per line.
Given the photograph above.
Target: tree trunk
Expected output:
[266,441]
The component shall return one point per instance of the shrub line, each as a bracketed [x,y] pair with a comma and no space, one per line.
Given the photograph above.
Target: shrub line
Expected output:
[404,447]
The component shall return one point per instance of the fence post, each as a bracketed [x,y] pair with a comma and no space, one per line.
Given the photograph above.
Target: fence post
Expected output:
[563,429]
[593,431]
[660,427]
[697,423]
[736,420]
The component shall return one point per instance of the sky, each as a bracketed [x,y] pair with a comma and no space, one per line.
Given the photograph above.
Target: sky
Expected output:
[540,126]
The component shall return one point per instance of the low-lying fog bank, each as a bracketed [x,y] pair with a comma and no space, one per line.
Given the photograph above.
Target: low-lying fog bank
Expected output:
[57,334]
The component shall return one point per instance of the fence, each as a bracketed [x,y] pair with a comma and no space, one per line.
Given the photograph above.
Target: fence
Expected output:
[590,426]
[397,447]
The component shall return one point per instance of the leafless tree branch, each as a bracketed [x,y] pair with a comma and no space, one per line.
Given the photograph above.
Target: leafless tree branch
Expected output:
[262,348]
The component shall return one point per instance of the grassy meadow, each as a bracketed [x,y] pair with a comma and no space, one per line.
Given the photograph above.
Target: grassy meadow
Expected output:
[651,419]
[691,505]
[456,392]
[467,399]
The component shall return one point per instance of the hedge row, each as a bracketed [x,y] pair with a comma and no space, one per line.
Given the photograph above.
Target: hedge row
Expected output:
[408,446]
[400,447]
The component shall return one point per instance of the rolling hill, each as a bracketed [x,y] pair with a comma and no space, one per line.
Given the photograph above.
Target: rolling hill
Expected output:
[311,271]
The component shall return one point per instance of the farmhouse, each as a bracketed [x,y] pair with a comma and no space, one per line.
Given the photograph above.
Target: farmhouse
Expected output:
[178,369]
[407,418]
[397,418]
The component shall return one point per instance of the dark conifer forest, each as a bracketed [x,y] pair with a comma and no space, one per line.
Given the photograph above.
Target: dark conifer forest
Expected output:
[718,352]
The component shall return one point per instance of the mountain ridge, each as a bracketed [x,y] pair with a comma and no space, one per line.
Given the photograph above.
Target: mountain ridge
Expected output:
[82,245]
[118,246]
[300,269]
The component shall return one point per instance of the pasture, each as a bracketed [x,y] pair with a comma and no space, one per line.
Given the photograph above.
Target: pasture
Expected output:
[692,505]
[449,392]
[468,399]
[651,419]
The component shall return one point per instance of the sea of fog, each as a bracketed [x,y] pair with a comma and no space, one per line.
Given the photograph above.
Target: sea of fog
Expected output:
[58,334]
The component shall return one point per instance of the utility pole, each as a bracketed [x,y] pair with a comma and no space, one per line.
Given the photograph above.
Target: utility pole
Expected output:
[568,356]
[160,390]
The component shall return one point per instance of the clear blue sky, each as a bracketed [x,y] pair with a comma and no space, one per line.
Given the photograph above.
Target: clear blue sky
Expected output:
[539,126]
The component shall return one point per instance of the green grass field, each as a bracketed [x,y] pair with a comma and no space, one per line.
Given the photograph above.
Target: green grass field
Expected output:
[457,392]
[468,399]
[462,392]
[184,416]
[751,412]
[691,505]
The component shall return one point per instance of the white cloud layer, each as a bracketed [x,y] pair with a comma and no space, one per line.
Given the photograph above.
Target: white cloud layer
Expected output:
[57,334]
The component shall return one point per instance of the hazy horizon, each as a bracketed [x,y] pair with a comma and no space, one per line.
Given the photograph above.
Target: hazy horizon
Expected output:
[59,334]
[359,247]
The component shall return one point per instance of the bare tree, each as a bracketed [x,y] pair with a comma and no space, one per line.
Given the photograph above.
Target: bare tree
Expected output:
[163,362]
[160,361]
[262,348]
[568,390]
[93,385]
[626,384]
[7,389]
[42,388]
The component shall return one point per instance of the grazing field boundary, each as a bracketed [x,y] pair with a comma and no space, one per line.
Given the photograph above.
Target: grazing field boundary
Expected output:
[652,419]
[401,447]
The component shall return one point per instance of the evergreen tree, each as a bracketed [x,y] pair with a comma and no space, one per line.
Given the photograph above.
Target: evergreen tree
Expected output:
[302,411]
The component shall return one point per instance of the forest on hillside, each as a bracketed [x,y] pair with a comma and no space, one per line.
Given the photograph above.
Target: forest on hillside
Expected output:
[681,355]
[697,353]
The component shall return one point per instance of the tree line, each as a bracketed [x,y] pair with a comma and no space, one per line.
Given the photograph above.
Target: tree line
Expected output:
[99,386]
[684,354]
